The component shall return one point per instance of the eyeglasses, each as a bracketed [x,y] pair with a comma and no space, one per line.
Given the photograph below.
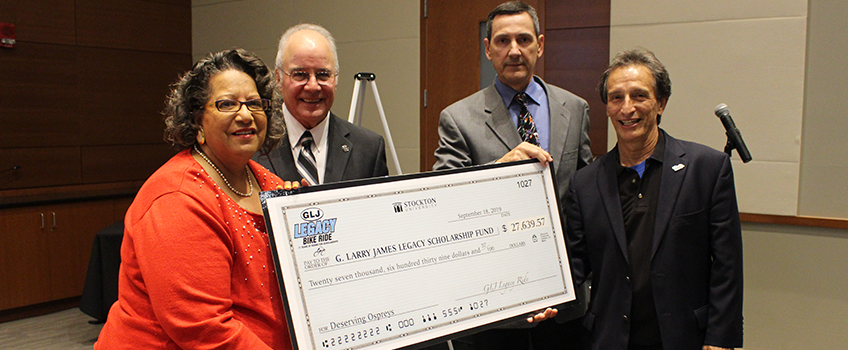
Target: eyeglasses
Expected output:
[322,77]
[255,105]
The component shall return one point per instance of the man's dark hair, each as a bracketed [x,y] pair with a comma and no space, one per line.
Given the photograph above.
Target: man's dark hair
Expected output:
[642,57]
[512,8]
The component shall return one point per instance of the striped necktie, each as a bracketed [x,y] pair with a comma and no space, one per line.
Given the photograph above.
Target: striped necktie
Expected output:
[306,165]
[526,126]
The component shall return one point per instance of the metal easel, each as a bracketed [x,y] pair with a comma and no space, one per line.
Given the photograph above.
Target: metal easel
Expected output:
[355,115]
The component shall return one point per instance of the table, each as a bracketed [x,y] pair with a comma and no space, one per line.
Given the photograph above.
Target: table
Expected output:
[101,281]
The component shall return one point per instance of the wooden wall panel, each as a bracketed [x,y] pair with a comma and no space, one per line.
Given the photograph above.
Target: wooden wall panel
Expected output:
[450,63]
[88,73]
[134,25]
[38,96]
[39,167]
[564,14]
[541,13]
[69,247]
[577,51]
[173,2]
[576,59]
[123,162]
[80,102]
[25,265]
[126,93]
[43,21]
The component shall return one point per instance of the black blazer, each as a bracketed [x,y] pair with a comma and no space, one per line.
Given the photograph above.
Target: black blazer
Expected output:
[696,266]
[353,152]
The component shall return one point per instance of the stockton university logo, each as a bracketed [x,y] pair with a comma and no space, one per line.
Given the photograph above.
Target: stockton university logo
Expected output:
[415,204]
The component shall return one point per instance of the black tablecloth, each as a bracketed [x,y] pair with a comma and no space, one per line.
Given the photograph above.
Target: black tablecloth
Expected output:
[101,281]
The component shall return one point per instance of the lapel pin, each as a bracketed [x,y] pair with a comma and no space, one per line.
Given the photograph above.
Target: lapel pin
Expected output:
[345,148]
[678,167]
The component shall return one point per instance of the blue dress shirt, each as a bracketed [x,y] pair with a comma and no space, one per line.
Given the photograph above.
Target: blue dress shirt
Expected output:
[537,105]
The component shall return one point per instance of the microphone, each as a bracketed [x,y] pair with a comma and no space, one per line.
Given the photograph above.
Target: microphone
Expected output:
[734,137]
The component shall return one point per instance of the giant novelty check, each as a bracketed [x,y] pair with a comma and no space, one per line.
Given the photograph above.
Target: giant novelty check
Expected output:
[402,260]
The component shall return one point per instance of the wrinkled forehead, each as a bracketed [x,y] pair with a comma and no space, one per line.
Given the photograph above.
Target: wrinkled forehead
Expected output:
[633,72]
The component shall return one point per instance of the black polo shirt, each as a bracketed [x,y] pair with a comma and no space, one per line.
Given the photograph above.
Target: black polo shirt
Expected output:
[638,195]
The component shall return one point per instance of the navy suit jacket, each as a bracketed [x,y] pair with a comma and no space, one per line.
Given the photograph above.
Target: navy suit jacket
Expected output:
[696,266]
[353,152]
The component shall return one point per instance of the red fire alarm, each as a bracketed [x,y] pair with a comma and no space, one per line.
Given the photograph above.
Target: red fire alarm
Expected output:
[7,35]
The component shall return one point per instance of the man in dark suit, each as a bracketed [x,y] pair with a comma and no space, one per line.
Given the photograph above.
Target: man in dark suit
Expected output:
[519,117]
[319,146]
[655,225]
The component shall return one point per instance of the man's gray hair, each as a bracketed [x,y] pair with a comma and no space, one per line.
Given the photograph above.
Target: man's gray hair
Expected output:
[284,40]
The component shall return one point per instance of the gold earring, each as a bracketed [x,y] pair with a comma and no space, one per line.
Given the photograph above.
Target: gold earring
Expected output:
[200,138]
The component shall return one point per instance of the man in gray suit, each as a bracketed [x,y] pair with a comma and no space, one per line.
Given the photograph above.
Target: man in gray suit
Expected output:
[320,147]
[493,125]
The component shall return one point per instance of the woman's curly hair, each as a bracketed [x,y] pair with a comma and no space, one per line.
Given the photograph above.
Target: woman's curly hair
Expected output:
[192,91]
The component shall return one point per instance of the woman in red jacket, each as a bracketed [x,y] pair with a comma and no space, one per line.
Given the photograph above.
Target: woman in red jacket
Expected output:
[196,266]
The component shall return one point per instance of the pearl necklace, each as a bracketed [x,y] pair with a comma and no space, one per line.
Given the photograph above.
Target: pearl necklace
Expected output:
[246,169]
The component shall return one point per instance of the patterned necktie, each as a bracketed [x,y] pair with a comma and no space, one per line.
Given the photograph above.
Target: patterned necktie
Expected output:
[306,165]
[526,126]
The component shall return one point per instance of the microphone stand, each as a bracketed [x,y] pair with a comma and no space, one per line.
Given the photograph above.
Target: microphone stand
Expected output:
[730,146]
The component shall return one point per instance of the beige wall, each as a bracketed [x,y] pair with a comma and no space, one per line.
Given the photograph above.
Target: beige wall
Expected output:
[772,63]
[746,54]
[824,157]
[779,65]
[795,287]
[377,36]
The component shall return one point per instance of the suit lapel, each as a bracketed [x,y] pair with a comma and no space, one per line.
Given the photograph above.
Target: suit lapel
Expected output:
[559,124]
[672,181]
[282,161]
[498,118]
[338,149]
[608,187]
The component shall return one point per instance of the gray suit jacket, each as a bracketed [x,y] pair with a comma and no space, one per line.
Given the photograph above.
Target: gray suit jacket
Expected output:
[478,130]
[353,152]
